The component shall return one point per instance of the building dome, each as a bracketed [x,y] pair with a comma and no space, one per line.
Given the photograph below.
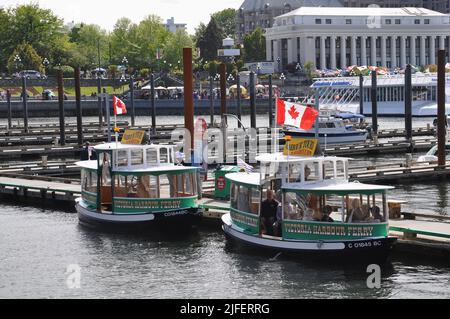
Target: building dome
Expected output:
[260,5]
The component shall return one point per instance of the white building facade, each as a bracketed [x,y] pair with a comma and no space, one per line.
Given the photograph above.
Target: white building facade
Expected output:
[339,37]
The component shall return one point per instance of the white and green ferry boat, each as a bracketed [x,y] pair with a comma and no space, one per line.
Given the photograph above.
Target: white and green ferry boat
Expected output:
[137,186]
[320,213]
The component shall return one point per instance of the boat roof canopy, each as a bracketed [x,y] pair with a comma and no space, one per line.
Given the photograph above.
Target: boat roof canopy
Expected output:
[251,180]
[152,170]
[336,188]
[281,158]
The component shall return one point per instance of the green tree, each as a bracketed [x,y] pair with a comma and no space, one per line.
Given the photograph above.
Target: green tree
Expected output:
[30,60]
[210,41]
[174,48]
[226,20]
[255,46]
[308,68]
[36,26]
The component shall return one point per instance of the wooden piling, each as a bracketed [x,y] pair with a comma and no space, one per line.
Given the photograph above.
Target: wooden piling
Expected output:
[211,100]
[25,103]
[8,103]
[99,101]
[252,101]
[408,103]
[271,117]
[442,118]
[239,110]
[374,103]
[188,94]
[152,102]
[62,124]
[132,101]
[78,106]
[361,94]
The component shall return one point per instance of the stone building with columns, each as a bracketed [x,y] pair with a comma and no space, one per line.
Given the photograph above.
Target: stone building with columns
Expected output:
[338,37]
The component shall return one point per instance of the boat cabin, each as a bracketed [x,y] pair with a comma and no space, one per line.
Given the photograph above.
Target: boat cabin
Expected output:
[133,179]
[315,201]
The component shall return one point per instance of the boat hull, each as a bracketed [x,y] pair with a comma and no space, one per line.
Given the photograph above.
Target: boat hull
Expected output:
[174,220]
[334,138]
[370,250]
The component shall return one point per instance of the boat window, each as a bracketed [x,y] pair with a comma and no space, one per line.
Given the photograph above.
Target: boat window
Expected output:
[245,199]
[299,206]
[330,125]
[365,209]
[163,156]
[328,170]
[137,157]
[105,162]
[164,186]
[122,158]
[88,181]
[340,170]
[152,154]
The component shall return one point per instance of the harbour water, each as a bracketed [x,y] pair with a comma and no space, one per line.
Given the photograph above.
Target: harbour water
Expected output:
[38,245]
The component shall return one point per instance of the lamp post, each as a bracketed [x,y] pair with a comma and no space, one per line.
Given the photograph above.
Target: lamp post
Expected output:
[46,63]
[217,79]
[298,68]
[17,60]
[282,78]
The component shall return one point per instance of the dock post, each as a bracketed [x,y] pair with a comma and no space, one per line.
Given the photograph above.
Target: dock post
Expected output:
[8,103]
[271,119]
[132,101]
[223,108]
[188,98]
[239,109]
[99,101]
[408,105]
[62,124]
[442,119]
[374,104]
[361,94]
[152,102]
[78,107]
[211,100]
[108,118]
[252,101]
[25,103]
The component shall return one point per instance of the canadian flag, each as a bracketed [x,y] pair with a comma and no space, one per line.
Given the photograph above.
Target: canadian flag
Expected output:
[296,115]
[119,107]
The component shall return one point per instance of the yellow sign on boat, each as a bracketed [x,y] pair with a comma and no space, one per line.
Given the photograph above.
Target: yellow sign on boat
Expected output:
[300,147]
[133,137]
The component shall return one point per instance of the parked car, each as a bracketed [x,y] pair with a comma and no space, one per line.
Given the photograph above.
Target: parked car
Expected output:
[30,74]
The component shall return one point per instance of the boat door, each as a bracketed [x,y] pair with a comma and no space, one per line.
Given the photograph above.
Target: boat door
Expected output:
[105,185]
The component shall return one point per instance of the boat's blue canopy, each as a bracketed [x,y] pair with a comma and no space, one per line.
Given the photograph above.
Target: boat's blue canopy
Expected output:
[347,116]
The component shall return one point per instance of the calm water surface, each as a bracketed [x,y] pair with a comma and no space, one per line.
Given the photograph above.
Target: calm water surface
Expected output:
[37,246]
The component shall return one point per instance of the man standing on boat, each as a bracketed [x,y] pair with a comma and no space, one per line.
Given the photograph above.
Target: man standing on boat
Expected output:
[269,212]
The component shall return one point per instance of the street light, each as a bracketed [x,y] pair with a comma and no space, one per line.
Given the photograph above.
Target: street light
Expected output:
[46,63]
[298,67]
[122,81]
[17,60]
[217,78]
[282,78]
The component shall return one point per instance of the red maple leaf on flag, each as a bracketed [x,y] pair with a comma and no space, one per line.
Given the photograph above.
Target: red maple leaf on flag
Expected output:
[293,112]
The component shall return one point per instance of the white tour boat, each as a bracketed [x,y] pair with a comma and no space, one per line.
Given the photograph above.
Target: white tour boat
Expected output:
[342,94]
[137,186]
[320,214]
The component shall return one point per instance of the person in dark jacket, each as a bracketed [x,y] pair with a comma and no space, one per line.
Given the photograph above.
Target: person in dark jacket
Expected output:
[269,209]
